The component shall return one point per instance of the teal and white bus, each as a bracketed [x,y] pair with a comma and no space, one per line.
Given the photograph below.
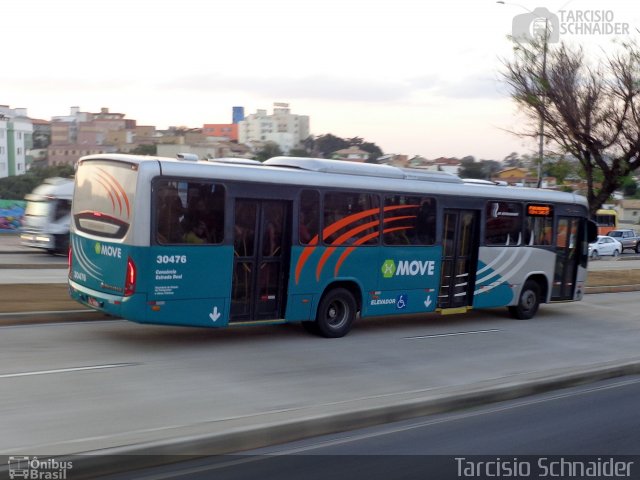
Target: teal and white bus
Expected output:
[232,241]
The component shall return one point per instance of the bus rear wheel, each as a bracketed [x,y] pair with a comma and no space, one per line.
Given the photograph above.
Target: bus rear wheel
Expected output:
[336,313]
[528,302]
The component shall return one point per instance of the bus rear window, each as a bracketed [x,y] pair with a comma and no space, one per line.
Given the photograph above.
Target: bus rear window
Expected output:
[103,197]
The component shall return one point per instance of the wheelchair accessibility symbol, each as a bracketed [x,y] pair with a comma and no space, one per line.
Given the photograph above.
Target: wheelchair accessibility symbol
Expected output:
[401,301]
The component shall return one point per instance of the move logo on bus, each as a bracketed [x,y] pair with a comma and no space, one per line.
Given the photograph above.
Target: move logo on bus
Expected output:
[108,250]
[407,268]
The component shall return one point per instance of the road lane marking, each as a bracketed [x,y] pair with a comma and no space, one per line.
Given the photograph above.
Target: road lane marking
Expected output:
[66,370]
[475,332]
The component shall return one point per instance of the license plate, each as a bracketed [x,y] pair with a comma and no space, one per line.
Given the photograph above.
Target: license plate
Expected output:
[94,303]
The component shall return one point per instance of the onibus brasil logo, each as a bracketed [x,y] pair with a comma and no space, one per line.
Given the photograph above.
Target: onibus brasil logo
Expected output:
[38,469]
[407,267]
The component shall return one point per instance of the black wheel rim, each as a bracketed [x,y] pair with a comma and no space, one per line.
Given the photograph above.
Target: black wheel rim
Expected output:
[528,301]
[337,314]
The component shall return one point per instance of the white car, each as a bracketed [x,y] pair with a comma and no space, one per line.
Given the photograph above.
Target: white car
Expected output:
[605,246]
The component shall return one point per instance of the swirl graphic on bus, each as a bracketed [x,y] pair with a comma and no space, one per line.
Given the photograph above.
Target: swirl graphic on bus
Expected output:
[114,190]
[355,236]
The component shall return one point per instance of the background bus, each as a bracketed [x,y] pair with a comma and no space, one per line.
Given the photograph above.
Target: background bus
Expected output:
[607,220]
[316,241]
[47,216]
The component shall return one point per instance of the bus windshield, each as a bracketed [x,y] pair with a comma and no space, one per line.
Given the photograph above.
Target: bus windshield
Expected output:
[103,198]
[37,209]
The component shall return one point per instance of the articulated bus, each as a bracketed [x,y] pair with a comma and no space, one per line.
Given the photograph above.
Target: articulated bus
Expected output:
[232,241]
[607,220]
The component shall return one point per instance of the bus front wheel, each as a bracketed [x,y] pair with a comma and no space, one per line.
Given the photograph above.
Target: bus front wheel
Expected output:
[528,302]
[336,313]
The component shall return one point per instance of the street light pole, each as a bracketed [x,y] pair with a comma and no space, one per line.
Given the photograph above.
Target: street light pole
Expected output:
[544,74]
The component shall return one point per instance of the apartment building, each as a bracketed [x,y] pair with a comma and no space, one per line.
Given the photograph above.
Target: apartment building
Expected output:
[16,131]
[285,129]
[85,133]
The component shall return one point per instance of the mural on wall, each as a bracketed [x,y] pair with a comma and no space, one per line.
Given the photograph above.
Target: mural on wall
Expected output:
[11,213]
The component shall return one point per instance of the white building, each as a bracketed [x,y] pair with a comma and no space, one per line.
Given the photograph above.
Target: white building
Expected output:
[4,152]
[16,132]
[285,129]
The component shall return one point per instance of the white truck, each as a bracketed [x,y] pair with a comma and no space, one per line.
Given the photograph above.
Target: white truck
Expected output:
[47,216]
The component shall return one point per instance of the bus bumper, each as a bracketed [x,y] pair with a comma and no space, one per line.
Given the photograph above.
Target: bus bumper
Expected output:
[115,305]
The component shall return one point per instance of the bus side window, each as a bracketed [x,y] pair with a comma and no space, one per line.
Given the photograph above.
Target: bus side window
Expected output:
[169,217]
[308,217]
[216,214]
[245,222]
[426,222]
[504,223]
[203,222]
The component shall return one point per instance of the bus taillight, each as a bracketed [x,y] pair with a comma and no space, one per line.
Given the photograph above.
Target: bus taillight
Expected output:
[130,280]
[69,261]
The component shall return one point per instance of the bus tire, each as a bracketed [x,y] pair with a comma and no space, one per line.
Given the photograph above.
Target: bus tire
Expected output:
[336,313]
[528,302]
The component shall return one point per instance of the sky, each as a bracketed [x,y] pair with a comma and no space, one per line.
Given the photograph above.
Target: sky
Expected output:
[414,77]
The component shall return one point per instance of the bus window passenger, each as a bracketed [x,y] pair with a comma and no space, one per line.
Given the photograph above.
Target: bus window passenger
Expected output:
[198,233]
[170,213]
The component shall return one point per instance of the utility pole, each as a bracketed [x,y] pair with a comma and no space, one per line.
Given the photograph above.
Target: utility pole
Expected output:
[543,79]
[544,75]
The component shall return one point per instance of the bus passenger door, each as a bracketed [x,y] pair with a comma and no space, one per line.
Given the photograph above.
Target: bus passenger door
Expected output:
[459,260]
[261,259]
[567,245]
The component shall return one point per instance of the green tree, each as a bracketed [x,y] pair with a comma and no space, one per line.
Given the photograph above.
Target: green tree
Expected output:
[270,149]
[298,152]
[490,168]
[469,168]
[16,187]
[374,151]
[512,160]
[145,150]
[560,168]
[326,144]
[629,186]
[589,111]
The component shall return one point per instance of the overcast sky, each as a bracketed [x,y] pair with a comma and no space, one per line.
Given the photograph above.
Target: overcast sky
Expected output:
[413,76]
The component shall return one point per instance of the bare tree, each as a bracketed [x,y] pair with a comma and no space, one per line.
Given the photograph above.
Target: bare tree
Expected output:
[589,111]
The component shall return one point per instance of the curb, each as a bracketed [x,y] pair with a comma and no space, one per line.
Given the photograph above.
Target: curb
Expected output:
[612,289]
[12,319]
[32,266]
[152,454]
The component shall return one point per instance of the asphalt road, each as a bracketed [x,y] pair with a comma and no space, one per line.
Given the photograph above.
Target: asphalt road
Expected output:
[69,388]
[531,434]
[597,419]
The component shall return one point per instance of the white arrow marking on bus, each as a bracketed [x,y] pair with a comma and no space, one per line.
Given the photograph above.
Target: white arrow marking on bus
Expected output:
[427,302]
[214,316]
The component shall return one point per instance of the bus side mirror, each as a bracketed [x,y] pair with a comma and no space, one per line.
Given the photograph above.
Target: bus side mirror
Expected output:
[592,231]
